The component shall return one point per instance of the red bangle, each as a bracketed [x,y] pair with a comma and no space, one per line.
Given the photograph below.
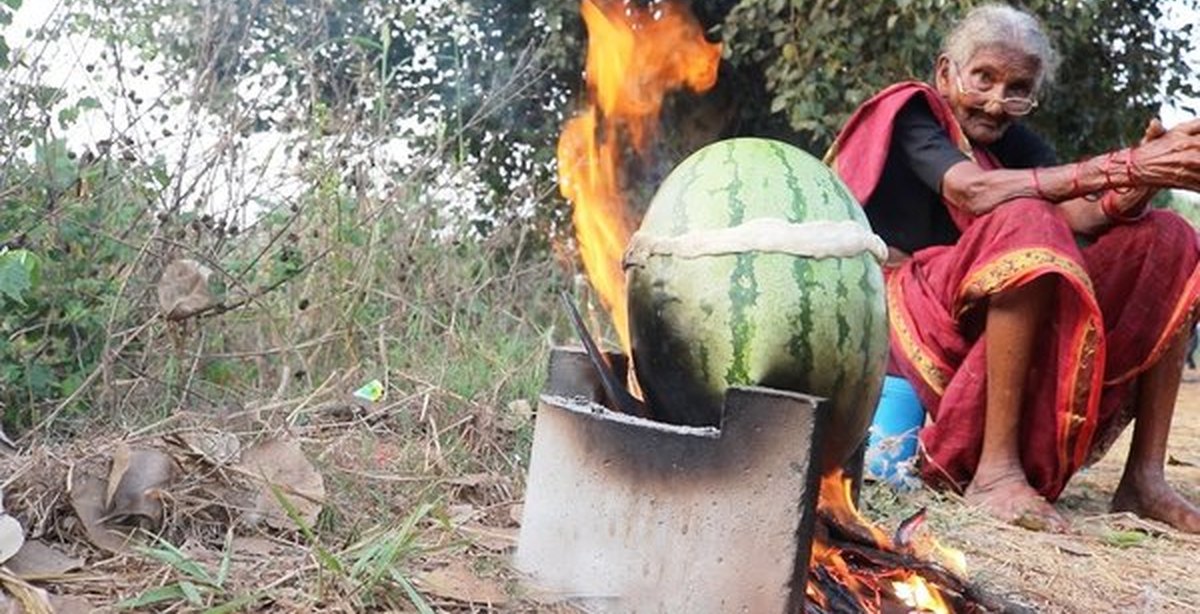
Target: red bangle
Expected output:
[1075,180]
[1108,170]
[1131,166]
[1037,185]
[1108,206]
[1104,168]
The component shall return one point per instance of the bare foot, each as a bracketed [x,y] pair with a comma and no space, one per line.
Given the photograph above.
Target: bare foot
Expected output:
[1155,499]
[1008,496]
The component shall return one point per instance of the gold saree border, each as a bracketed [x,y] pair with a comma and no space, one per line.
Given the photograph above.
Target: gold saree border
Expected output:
[1015,266]
[935,373]
[1085,385]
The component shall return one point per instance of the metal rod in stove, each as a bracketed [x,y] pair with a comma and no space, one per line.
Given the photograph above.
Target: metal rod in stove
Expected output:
[617,393]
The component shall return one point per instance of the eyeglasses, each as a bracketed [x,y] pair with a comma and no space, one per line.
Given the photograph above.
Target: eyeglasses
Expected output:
[1015,106]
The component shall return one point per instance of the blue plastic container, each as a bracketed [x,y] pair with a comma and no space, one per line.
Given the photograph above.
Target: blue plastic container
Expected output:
[892,446]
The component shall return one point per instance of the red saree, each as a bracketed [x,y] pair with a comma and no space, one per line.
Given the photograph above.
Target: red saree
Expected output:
[1120,302]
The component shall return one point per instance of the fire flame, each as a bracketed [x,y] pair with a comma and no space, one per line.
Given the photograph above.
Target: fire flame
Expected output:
[636,55]
[638,52]
[870,589]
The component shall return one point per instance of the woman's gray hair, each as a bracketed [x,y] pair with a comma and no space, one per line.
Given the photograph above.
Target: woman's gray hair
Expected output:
[1001,25]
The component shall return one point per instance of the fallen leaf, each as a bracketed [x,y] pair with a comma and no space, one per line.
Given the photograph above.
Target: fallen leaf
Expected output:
[462,513]
[1178,462]
[27,598]
[137,497]
[37,560]
[116,471]
[282,464]
[183,289]
[516,414]
[70,604]
[472,480]
[457,582]
[496,539]
[12,537]
[216,447]
[257,547]
[371,391]
[86,490]
[54,604]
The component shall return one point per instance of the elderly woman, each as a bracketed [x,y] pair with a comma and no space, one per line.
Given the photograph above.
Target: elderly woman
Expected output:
[1036,307]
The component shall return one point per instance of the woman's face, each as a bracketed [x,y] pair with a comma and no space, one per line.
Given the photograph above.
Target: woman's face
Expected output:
[990,91]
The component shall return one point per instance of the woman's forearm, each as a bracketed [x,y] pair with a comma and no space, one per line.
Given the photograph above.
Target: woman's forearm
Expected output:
[1164,159]
[1086,188]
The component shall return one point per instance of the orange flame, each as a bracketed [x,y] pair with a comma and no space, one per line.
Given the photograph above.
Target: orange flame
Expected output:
[636,55]
[898,585]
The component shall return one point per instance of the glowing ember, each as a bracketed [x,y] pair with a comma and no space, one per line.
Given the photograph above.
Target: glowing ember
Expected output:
[636,56]
[867,568]
[915,593]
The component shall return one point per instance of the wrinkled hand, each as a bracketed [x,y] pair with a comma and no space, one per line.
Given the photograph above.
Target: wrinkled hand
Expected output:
[1154,129]
[1169,158]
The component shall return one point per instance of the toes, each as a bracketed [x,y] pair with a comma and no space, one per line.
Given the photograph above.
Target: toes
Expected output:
[1041,516]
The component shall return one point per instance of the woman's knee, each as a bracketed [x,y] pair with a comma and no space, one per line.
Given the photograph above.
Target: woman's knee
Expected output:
[1032,216]
[1165,230]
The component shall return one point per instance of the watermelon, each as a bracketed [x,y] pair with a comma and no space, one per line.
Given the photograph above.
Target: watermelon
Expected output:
[755,266]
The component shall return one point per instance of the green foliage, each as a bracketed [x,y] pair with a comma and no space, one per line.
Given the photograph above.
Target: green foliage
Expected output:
[1185,204]
[57,291]
[18,273]
[819,60]
[196,585]
[7,7]
[328,269]
[1116,58]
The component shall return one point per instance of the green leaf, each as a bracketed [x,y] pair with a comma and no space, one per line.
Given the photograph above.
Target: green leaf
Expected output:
[170,592]
[13,4]
[1125,539]
[67,116]
[18,274]
[226,559]
[326,557]
[235,605]
[192,592]
[414,597]
[166,552]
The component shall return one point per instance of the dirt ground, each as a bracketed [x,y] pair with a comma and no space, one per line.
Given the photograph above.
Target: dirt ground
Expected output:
[457,553]
[1109,563]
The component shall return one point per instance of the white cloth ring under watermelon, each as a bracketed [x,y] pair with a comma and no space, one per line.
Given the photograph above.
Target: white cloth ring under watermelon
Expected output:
[816,239]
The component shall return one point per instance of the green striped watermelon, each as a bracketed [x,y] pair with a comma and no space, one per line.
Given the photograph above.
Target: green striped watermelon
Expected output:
[723,290]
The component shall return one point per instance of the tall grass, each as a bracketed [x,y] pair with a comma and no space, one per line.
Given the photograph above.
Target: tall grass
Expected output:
[354,266]
[358,269]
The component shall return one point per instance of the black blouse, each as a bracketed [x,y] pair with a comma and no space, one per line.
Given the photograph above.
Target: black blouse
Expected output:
[906,208]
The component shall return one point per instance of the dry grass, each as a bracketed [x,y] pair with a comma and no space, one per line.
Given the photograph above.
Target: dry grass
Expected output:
[403,512]
[422,510]
[1109,563]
